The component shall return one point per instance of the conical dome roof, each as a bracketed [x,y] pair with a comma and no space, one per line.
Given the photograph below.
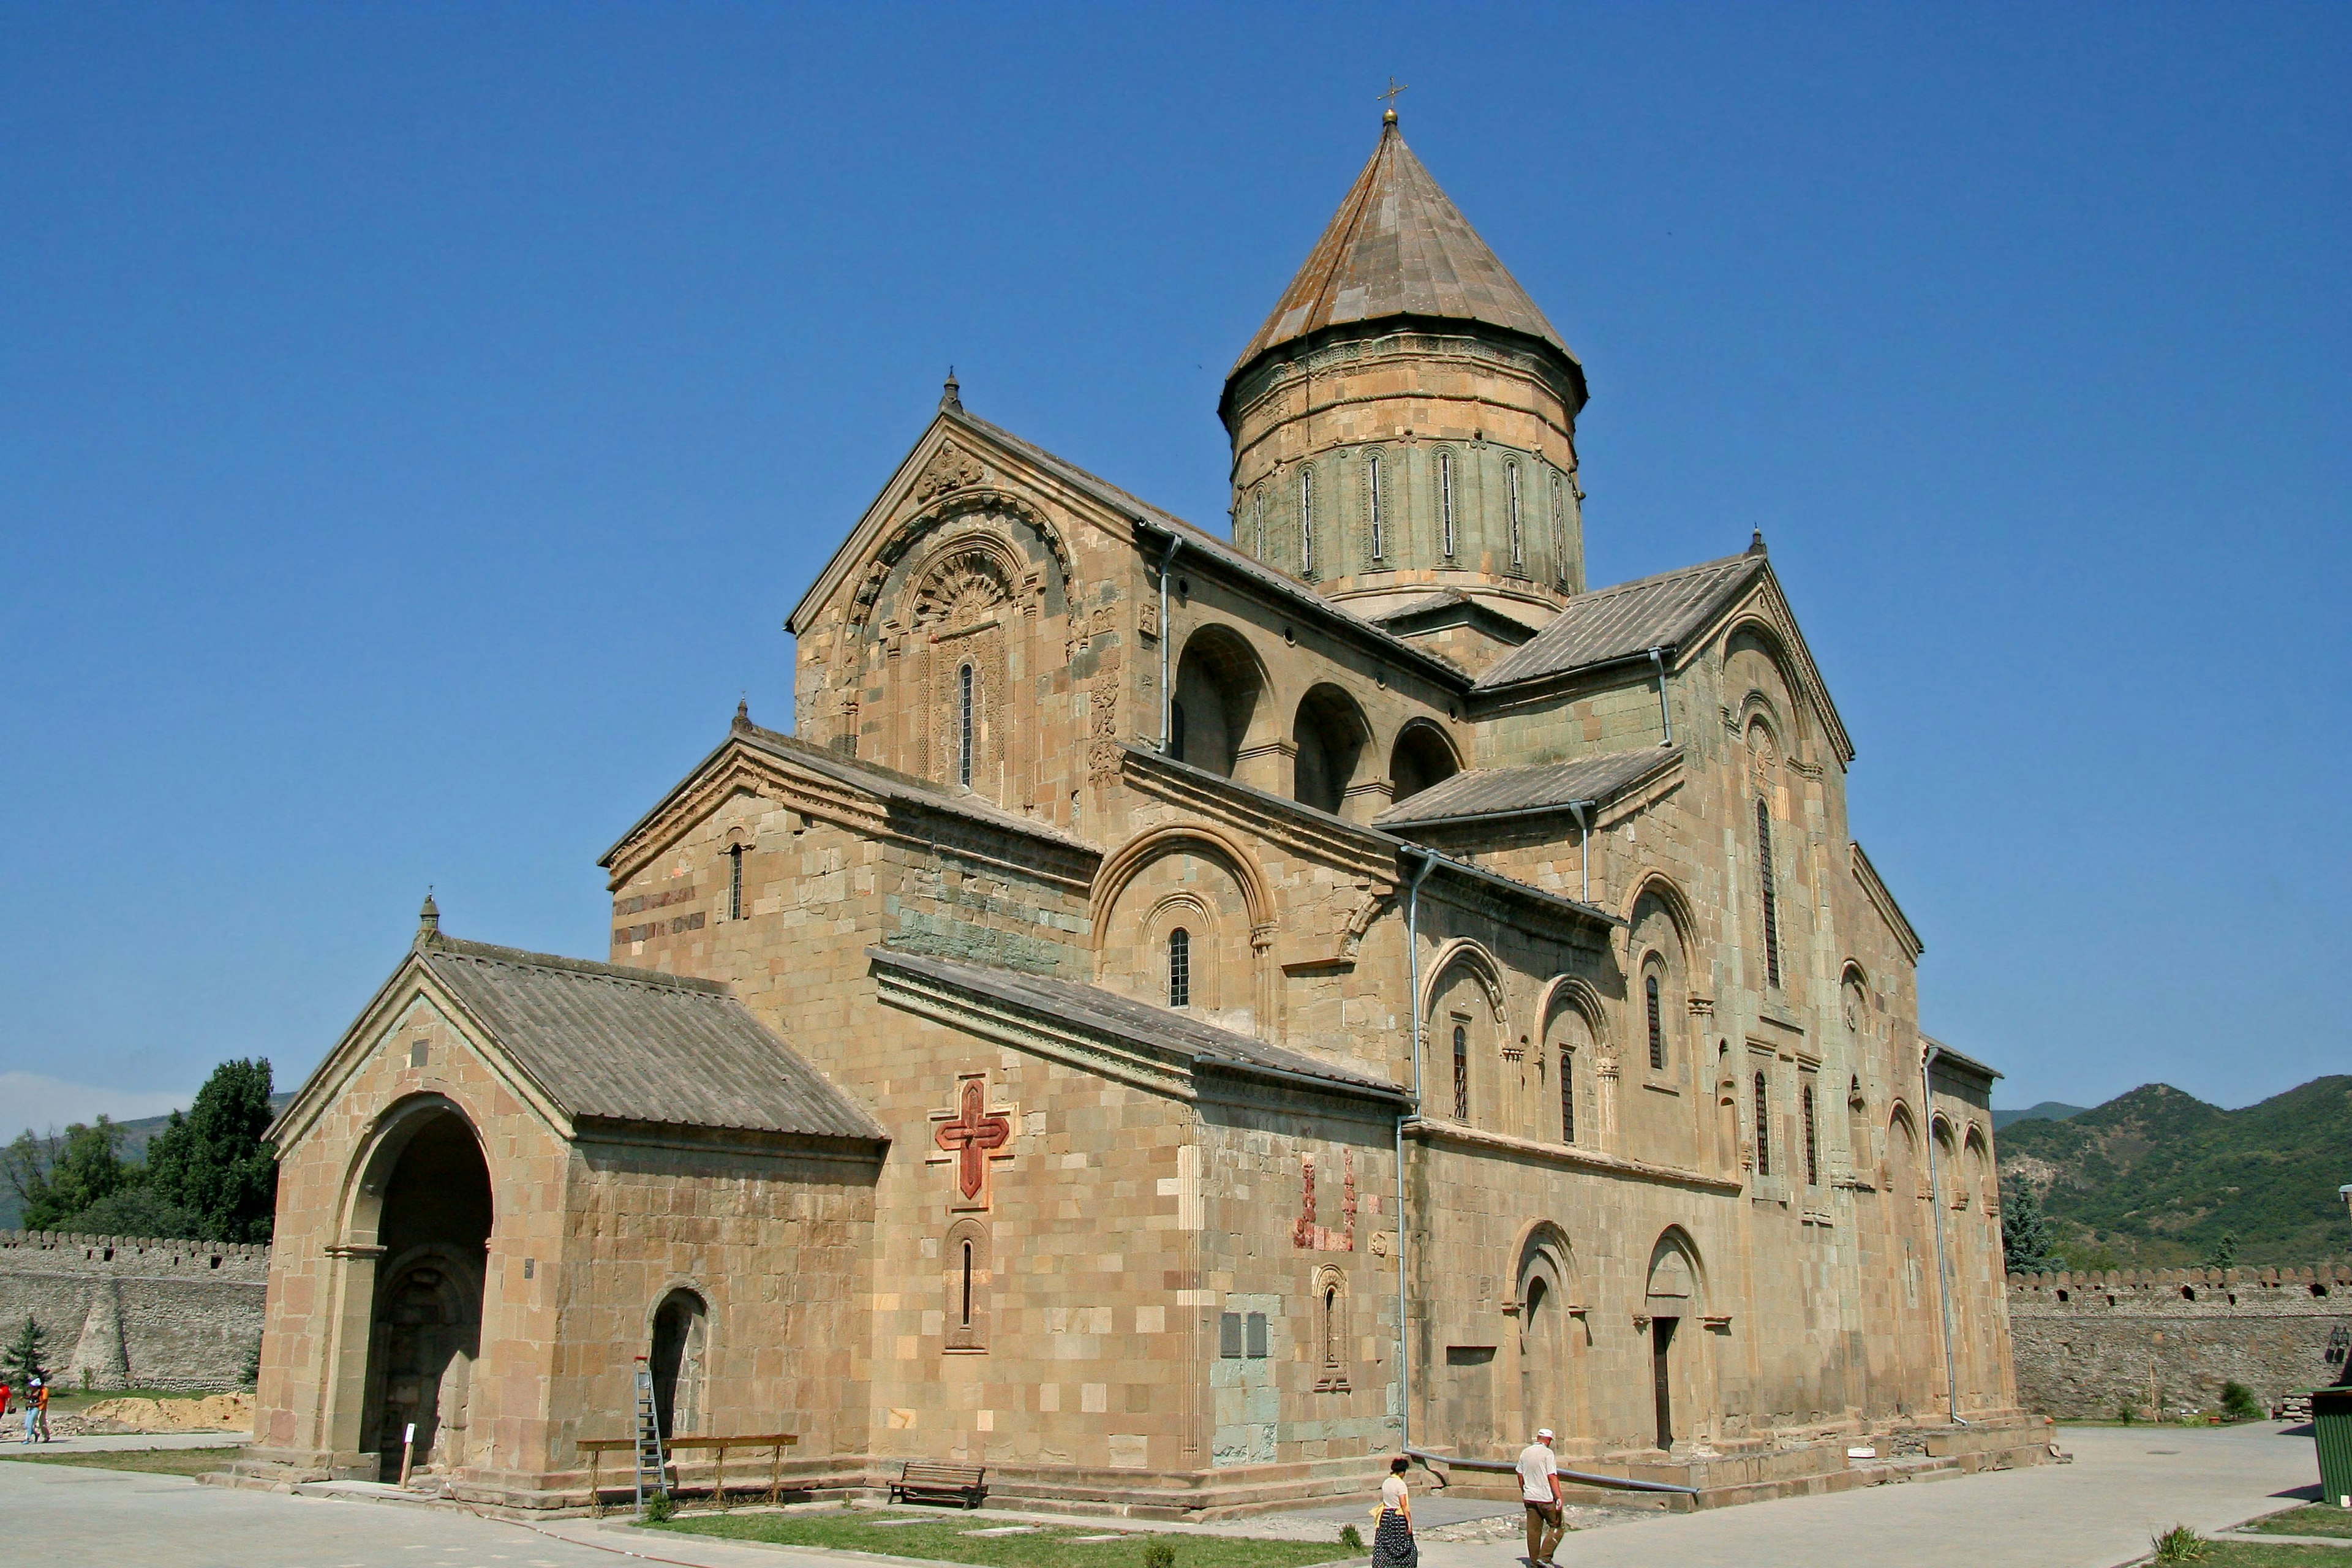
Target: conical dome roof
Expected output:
[1399,246]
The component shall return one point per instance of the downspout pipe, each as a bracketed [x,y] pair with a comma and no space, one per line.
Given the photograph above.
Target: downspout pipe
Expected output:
[1505,1466]
[1412,999]
[1584,844]
[1166,697]
[1943,1263]
[1665,715]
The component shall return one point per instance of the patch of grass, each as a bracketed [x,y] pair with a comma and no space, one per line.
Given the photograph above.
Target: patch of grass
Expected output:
[2315,1519]
[941,1538]
[2252,1554]
[147,1461]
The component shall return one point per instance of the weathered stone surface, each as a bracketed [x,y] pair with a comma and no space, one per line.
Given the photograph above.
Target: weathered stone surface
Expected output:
[135,1313]
[2095,1344]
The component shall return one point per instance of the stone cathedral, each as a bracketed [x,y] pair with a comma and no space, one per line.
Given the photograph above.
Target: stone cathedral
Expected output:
[1178,1018]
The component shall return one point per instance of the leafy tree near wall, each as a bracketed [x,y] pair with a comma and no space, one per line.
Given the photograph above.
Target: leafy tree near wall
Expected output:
[57,1177]
[211,1162]
[25,1356]
[2027,1246]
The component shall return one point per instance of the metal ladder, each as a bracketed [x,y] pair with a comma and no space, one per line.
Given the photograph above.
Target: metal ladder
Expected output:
[652,1470]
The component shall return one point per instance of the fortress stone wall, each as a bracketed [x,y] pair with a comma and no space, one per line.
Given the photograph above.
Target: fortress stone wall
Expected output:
[134,1313]
[2090,1345]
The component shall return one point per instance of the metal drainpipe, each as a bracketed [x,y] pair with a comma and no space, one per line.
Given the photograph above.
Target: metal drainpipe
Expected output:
[1167,698]
[1583,844]
[1943,1265]
[1665,715]
[1412,999]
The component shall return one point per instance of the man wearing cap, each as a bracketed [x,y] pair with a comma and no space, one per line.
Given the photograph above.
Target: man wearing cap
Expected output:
[1540,1489]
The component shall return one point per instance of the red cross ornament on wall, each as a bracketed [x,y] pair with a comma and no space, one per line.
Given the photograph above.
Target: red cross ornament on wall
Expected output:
[972,1138]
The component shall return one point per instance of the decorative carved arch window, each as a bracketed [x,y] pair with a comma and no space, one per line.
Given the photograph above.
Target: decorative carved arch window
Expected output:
[1372,505]
[1180,968]
[1306,521]
[1519,542]
[1655,1014]
[1461,1071]
[1331,1329]
[1559,529]
[968,1276]
[1445,502]
[964,705]
[1763,1124]
[1805,1106]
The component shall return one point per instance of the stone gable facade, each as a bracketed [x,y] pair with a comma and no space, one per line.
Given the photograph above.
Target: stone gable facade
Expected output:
[1235,1120]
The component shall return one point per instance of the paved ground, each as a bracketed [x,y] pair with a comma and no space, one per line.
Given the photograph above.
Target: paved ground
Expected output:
[2093,1513]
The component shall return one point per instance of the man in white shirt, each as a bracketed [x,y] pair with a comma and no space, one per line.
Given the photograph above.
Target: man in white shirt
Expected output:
[1540,1489]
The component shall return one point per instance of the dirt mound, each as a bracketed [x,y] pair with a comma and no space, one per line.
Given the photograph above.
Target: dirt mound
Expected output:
[212,1413]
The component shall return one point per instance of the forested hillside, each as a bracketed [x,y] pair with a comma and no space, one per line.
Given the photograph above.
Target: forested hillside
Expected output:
[2158,1178]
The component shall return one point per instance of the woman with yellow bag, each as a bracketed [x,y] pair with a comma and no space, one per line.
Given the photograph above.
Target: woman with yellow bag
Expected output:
[1392,1542]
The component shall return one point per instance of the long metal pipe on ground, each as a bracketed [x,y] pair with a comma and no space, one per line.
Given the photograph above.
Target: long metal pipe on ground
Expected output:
[1504,1466]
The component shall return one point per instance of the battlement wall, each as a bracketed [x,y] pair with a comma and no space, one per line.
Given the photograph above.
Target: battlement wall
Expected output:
[2091,1345]
[136,1311]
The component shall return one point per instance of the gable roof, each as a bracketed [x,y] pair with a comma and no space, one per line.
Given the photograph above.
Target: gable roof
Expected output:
[1094,1010]
[1612,625]
[870,778]
[1490,791]
[1399,246]
[608,1043]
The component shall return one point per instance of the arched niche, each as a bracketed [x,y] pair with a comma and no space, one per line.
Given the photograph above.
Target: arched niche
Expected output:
[1220,689]
[1675,1302]
[1465,1025]
[679,1359]
[423,1207]
[1330,735]
[1421,756]
[1184,880]
[1571,1026]
[1550,1298]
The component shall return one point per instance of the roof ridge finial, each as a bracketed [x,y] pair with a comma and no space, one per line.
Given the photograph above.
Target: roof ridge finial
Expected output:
[1389,115]
[952,395]
[1756,543]
[429,920]
[742,713]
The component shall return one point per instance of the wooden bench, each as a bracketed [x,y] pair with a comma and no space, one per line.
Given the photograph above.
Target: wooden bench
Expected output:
[774,1442]
[917,1479]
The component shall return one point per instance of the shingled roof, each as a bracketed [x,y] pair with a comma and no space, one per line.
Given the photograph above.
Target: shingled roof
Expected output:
[1399,246]
[612,1044]
[1096,1011]
[1486,792]
[1628,620]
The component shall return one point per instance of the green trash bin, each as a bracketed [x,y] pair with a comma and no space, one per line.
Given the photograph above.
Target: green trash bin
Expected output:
[2331,1424]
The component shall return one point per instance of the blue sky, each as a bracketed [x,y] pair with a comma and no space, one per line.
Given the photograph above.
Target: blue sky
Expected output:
[418,421]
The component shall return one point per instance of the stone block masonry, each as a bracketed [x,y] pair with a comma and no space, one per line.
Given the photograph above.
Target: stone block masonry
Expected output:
[134,1313]
[2088,1345]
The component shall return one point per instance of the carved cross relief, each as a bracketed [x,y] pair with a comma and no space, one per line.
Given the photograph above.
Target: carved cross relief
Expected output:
[1313,1237]
[973,1138]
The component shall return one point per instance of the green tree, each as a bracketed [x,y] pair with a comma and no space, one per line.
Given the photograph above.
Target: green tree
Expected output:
[137,1210]
[55,1177]
[211,1160]
[26,1357]
[2225,1252]
[2027,1246]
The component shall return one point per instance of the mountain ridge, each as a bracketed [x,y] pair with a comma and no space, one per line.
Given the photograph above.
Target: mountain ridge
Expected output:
[2157,1177]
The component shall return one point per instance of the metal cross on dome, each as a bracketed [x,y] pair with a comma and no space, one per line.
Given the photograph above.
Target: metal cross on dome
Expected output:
[1391,96]
[974,1135]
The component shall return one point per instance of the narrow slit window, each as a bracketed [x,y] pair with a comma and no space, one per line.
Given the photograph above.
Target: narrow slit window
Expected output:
[1372,505]
[1330,1326]
[1258,522]
[1461,1073]
[735,883]
[1306,521]
[963,723]
[1812,1138]
[1656,1014]
[1567,1096]
[1176,731]
[1180,968]
[967,1284]
[1446,499]
[1518,544]
[1772,902]
[1559,529]
[1763,1127]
